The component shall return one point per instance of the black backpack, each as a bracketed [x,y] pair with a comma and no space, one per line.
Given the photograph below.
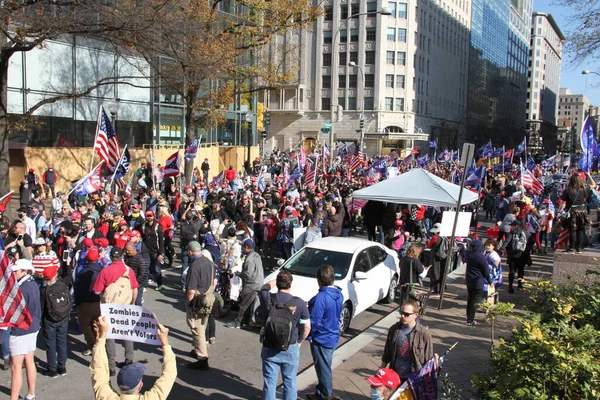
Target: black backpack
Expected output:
[279,325]
[58,301]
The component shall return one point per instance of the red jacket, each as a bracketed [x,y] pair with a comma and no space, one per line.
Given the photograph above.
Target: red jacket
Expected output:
[230,174]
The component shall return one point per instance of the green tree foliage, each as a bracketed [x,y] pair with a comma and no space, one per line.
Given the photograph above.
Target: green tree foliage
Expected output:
[553,353]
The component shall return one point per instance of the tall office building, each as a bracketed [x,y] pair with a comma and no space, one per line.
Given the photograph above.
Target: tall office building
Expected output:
[545,58]
[573,107]
[405,74]
[500,32]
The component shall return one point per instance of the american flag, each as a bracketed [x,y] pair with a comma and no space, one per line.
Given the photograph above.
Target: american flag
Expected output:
[218,180]
[310,172]
[13,309]
[394,155]
[357,161]
[530,182]
[128,188]
[107,143]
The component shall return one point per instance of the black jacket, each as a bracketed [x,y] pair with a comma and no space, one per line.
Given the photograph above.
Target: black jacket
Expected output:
[84,282]
[190,230]
[478,271]
[139,266]
[153,238]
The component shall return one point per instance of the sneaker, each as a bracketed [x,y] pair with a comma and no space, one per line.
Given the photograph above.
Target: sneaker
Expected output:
[233,325]
[159,288]
[577,251]
[143,301]
[86,353]
[569,251]
[6,365]
[510,289]
[434,294]
[472,323]
[150,281]
[51,373]
[124,363]
[212,340]
[145,289]
[62,371]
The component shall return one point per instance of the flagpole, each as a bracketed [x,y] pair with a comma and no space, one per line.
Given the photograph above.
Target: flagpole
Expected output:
[3,197]
[503,153]
[152,162]
[84,178]
[96,137]
[112,180]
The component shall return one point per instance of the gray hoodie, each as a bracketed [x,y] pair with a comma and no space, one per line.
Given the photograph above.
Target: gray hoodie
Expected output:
[252,272]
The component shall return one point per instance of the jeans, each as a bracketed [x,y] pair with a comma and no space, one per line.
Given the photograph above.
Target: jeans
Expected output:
[111,352]
[185,262]
[246,298]
[55,338]
[287,362]
[474,296]
[154,268]
[4,336]
[323,358]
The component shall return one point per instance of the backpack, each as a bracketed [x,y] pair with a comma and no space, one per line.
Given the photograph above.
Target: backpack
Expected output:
[119,292]
[519,242]
[279,326]
[58,301]
[442,250]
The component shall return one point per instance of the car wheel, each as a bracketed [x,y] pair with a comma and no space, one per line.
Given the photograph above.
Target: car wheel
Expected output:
[345,317]
[391,296]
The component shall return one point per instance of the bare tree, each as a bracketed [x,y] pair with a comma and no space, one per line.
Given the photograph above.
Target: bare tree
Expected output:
[583,36]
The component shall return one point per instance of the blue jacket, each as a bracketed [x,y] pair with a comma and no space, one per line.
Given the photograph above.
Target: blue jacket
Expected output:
[478,271]
[31,295]
[325,309]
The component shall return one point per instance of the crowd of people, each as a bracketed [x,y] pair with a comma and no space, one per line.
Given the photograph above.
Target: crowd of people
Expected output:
[70,252]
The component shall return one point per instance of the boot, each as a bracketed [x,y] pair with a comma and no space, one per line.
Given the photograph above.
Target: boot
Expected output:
[511,279]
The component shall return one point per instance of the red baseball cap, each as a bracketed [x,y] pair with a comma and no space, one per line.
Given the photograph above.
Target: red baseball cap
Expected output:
[102,242]
[50,272]
[87,242]
[122,222]
[399,222]
[92,254]
[136,206]
[149,213]
[385,377]
[75,215]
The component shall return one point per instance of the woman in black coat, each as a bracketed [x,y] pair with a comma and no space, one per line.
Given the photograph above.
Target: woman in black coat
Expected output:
[477,274]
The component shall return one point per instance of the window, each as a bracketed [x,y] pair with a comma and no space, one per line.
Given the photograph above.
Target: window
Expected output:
[389,104]
[389,57]
[389,81]
[401,58]
[392,7]
[368,103]
[326,103]
[343,11]
[343,58]
[369,80]
[343,36]
[371,34]
[391,34]
[354,35]
[370,57]
[326,81]
[353,81]
[399,104]
[354,10]
[402,10]
[327,59]
[327,37]
[328,13]
[372,8]
[400,81]
[354,56]
[401,35]
[342,81]
[351,103]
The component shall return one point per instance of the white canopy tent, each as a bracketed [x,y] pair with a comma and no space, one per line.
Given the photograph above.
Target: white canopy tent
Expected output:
[416,186]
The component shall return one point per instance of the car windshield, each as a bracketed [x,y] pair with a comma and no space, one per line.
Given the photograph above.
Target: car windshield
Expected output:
[307,261]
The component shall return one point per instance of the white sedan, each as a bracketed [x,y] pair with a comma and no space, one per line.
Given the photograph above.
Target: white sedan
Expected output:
[366,271]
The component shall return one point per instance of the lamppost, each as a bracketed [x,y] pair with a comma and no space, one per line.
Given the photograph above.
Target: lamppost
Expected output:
[334,51]
[113,109]
[587,72]
[249,120]
[362,112]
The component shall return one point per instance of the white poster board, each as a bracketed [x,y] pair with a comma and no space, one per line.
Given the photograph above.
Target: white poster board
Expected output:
[462,226]
[299,238]
[129,322]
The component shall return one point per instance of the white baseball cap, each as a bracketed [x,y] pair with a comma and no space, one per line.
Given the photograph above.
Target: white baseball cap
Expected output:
[23,264]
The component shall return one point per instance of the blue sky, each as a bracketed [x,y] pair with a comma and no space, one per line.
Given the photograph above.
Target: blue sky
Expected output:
[571,76]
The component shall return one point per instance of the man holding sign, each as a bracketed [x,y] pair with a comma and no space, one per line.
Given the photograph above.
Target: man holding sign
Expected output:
[130,377]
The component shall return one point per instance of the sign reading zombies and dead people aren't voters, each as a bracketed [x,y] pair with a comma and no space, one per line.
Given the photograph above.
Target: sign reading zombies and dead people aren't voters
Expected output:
[129,322]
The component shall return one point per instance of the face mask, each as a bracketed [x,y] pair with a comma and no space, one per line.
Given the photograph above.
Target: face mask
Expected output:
[375,395]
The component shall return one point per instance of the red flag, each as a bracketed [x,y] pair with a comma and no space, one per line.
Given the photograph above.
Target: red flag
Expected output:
[13,310]
[172,165]
[415,150]
[5,201]
[509,153]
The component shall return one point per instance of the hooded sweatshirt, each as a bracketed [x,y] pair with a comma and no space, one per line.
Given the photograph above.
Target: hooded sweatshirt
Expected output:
[478,272]
[325,309]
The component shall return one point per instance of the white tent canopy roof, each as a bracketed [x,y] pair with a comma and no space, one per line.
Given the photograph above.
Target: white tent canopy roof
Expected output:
[416,186]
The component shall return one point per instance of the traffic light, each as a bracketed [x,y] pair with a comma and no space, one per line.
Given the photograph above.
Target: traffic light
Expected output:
[263,134]
[267,117]
[362,124]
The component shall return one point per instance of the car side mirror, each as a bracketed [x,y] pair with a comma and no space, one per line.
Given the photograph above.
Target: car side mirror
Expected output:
[360,275]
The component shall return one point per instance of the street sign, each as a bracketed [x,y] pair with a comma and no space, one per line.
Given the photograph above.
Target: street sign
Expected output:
[327,124]
[324,130]
[358,130]
[468,151]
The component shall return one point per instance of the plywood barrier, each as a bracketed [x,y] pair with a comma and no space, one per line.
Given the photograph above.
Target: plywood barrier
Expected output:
[73,163]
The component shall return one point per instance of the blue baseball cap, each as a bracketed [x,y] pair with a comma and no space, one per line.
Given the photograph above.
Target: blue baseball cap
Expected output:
[248,243]
[130,376]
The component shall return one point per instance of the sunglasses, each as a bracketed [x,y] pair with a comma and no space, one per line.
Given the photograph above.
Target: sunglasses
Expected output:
[406,314]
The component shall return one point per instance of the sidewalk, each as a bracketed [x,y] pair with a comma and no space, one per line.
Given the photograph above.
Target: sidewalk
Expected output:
[361,357]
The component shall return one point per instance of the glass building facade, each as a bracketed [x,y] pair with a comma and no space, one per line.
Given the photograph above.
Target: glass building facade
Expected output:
[497,86]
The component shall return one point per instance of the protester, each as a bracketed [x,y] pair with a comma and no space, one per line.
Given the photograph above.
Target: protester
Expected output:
[153,243]
[409,344]
[517,255]
[86,300]
[574,197]
[325,309]
[274,358]
[478,275]
[411,269]
[384,384]
[131,376]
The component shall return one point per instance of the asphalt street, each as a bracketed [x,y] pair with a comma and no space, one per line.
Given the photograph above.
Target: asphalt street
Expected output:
[235,366]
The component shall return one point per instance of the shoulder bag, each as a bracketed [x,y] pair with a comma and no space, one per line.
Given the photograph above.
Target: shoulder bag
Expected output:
[202,303]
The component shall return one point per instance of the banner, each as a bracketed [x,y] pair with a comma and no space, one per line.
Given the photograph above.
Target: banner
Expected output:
[129,322]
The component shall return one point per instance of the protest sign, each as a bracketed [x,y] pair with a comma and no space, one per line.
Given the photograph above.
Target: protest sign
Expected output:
[129,322]
[462,226]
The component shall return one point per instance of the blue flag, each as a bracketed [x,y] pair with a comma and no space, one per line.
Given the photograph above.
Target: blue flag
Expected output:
[589,146]
[192,150]
[261,182]
[433,144]
[521,147]
[475,178]
[123,165]
[422,160]
[295,174]
[486,150]
[499,152]
[442,155]
[379,166]
[530,163]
